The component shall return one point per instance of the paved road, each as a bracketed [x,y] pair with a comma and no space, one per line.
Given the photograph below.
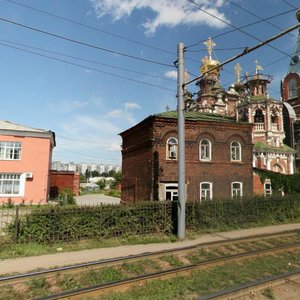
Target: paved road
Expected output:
[96,199]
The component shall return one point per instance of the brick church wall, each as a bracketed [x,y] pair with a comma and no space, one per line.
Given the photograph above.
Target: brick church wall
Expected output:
[145,165]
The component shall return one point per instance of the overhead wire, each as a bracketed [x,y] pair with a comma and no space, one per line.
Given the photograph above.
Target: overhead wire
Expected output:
[235,28]
[87,67]
[89,27]
[257,16]
[85,60]
[291,5]
[84,43]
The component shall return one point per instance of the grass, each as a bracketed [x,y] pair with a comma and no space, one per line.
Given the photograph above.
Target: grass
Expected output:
[172,260]
[38,287]
[208,281]
[11,250]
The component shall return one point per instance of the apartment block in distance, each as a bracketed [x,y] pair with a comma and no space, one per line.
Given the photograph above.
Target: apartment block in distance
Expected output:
[25,162]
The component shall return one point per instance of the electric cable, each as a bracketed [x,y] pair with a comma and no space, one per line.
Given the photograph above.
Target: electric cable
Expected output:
[89,27]
[88,68]
[85,60]
[84,43]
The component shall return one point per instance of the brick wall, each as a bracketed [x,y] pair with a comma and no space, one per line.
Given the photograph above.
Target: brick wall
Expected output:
[145,163]
[60,180]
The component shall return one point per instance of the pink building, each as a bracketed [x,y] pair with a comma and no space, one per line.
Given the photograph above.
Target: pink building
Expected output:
[25,162]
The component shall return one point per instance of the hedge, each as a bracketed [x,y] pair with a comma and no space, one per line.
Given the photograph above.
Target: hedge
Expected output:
[53,224]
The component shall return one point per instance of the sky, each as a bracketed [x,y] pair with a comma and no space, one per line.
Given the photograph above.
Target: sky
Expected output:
[91,69]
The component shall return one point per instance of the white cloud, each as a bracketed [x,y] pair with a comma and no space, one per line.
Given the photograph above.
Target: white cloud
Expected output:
[168,13]
[124,112]
[131,105]
[171,74]
[115,146]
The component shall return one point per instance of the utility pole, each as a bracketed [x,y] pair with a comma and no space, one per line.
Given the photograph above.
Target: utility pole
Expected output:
[181,141]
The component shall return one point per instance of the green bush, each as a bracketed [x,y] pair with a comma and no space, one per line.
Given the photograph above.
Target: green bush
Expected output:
[71,223]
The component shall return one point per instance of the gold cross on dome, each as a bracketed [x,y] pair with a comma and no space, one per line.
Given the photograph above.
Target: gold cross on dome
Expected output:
[238,70]
[210,46]
[257,67]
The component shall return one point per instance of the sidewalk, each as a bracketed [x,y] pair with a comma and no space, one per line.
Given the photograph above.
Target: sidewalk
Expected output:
[27,264]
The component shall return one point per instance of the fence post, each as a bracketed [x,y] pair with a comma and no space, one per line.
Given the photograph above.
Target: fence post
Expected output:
[17,224]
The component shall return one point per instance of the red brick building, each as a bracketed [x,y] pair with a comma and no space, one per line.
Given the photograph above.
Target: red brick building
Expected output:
[218,161]
[61,180]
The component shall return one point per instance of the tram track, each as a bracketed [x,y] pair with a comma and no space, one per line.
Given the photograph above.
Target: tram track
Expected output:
[252,288]
[239,249]
[21,278]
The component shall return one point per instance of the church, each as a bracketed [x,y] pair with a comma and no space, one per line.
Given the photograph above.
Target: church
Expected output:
[229,135]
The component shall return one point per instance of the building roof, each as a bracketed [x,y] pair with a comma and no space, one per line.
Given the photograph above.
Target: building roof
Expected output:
[10,128]
[261,146]
[197,116]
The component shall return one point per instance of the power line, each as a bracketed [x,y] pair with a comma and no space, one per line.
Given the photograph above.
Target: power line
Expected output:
[89,27]
[85,44]
[286,2]
[218,49]
[89,68]
[85,60]
[235,27]
[88,155]
[247,51]
[255,15]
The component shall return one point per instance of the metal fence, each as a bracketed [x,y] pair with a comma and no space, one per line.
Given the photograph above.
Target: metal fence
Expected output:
[64,223]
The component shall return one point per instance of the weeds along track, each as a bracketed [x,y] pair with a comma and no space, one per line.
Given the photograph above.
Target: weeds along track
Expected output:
[92,279]
[286,286]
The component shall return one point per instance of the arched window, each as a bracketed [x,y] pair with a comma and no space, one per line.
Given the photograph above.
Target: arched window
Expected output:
[236,189]
[235,151]
[172,146]
[206,190]
[205,150]
[259,116]
[292,88]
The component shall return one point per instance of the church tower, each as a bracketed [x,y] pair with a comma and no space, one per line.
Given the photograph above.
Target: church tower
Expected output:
[290,93]
[269,151]
[212,97]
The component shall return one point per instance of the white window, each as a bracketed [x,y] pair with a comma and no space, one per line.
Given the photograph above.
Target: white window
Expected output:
[171,192]
[268,188]
[10,150]
[9,184]
[205,149]
[172,146]
[236,151]
[206,191]
[292,88]
[236,189]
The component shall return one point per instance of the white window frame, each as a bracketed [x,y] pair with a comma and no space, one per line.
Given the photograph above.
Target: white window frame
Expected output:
[205,150]
[10,150]
[206,193]
[172,148]
[235,151]
[173,189]
[13,179]
[267,190]
[235,190]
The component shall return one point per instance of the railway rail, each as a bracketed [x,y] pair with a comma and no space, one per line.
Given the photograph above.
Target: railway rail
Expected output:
[252,288]
[238,249]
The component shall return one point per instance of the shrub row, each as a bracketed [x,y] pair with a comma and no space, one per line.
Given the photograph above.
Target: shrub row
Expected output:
[53,224]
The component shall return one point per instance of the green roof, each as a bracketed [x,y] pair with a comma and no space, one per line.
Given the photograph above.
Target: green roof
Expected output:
[197,116]
[264,147]
[261,98]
